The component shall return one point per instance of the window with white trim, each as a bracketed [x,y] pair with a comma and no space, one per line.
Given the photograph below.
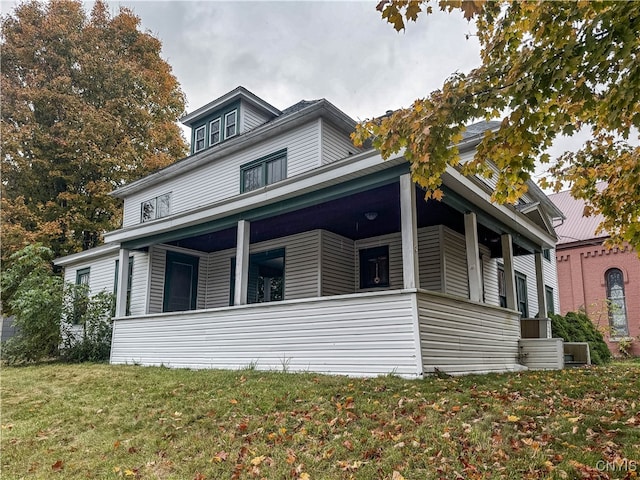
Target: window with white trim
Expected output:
[214,131]
[157,207]
[199,139]
[230,124]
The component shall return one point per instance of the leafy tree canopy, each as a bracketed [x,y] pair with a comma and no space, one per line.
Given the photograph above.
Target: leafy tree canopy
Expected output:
[548,69]
[88,105]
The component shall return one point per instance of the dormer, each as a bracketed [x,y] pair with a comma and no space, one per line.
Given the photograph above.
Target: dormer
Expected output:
[227,117]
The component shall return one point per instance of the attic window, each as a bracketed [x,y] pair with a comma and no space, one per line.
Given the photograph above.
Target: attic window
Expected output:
[199,139]
[157,207]
[230,124]
[214,132]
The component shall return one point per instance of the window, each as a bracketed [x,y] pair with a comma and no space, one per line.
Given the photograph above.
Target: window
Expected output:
[129,281]
[214,132]
[546,253]
[199,139]
[180,282]
[521,295]
[617,305]
[502,289]
[548,293]
[266,277]
[374,267]
[264,171]
[230,127]
[157,207]
[81,295]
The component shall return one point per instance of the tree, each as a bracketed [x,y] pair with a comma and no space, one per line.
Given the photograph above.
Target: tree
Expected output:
[548,69]
[33,293]
[88,105]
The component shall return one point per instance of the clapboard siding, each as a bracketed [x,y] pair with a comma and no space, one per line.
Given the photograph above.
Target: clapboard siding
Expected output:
[139,283]
[158,259]
[363,334]
[335,145]
[460,336]
[394,241]
[430,258]
[490,276]
[251,117]
[456,281]
[220,178]
[542,353]
[337,264]
[301,268]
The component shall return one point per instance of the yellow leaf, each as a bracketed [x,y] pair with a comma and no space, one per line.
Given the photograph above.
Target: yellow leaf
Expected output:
[574,419]
[397,476]
[304,476]
[258,460]
[129,473]
[513,418]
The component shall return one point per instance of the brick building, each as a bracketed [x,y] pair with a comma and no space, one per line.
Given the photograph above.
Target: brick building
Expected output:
[606,283]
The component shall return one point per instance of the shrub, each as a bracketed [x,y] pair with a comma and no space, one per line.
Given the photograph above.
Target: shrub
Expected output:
[577,327]
[86,331]
[33,294]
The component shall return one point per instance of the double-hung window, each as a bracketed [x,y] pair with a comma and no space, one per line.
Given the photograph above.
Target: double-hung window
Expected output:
[214,132]
[231,124]
[521,294]
[199,138]
[81,295]
[264,171]
[129,282]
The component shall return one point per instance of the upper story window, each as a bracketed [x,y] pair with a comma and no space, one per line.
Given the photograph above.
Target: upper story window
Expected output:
[214,132]
[617,305]
[231,124]
[264,171]
[157,207]
[199,139]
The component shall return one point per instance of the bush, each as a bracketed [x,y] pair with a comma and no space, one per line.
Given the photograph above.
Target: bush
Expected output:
[577,327]
[33,294]
[86,331]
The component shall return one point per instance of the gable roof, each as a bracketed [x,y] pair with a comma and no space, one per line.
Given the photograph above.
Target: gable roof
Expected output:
[576,228]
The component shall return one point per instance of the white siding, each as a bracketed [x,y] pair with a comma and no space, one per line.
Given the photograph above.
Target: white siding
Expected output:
[542,353]
[490,276]
[394,241]
[221,178]
[335,144]
[430,258]
[337,264]
[550,272]
[456,281]
[363,334]
[460,336]
[251,117]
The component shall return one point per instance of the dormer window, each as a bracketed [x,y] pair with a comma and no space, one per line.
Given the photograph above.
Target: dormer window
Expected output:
[231,124]
[199,140]
[214,132]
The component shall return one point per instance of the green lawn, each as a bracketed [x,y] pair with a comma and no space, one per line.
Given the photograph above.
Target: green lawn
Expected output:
[101,421]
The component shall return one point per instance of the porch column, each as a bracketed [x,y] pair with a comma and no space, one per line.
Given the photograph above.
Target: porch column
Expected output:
[408,226]
[122,283]
[473,257]
[509,272]
[543,308]
[242,263]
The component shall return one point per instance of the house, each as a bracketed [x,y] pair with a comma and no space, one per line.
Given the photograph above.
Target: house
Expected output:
[278,244]
[603,282]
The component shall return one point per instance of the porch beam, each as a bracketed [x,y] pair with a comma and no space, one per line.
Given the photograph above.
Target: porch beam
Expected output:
[543,308]
[509,271]
[122,282]
[473,257]
[242,263]
[408,225]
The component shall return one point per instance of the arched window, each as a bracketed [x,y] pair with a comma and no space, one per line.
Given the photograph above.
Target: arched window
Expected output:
[617,306]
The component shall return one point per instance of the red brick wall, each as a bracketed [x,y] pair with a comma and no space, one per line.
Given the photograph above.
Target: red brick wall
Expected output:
[581,284]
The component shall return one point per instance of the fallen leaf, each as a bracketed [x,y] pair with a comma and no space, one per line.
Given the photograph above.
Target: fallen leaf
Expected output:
[258,460]
[397,476]
[56,467]
[513,418]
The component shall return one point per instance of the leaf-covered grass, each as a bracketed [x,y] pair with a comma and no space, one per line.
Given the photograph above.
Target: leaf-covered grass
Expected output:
[101,421]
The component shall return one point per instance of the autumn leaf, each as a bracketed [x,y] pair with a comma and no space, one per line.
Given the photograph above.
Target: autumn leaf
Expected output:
[58,466]
[512,418]
[258,460]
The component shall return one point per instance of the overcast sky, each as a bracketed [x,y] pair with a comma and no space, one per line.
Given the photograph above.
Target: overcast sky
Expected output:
[292,50]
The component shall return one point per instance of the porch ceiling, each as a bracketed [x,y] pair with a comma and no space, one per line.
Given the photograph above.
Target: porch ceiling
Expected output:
[344,216]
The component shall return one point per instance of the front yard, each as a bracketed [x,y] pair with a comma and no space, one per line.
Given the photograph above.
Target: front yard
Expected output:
[101,421]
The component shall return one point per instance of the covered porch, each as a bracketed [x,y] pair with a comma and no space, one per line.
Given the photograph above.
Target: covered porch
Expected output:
[361,277]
